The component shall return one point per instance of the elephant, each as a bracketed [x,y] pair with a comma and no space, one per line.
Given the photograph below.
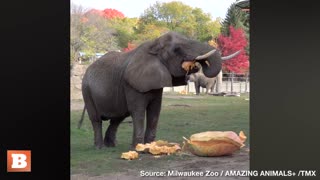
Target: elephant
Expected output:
[123,84]
[200,80]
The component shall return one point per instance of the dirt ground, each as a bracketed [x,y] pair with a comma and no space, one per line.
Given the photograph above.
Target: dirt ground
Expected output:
[237,161]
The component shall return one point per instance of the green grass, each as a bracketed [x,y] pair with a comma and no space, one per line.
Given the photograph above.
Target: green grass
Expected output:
[207,113]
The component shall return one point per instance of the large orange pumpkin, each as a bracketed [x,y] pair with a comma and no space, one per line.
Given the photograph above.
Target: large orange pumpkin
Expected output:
[214,143]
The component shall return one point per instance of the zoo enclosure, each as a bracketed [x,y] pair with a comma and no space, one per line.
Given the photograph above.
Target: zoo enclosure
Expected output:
[231,83]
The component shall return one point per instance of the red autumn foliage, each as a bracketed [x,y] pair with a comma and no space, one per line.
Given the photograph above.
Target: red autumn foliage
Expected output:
[130,47]
[107,13]
[95,11]
[230,44]
[112,13]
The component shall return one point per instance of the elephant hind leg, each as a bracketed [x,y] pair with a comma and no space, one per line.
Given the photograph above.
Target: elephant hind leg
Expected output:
[110,136]
[97,128]
[210,89]
[95,121]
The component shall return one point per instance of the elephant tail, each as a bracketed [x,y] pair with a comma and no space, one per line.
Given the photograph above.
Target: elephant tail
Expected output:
[82,117]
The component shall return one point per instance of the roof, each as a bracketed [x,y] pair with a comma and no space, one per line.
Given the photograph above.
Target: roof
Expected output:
[244,4]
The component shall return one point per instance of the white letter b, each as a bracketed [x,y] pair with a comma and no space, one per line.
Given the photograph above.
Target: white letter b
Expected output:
[19,161]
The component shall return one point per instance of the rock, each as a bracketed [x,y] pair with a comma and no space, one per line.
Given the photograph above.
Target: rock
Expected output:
[77,73]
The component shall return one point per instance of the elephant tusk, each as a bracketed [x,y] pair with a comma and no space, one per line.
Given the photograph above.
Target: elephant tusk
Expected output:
[230,56]
[207,62]
[205,55]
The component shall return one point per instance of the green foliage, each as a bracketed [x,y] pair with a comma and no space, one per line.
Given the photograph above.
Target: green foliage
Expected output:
[76,31]
[176,16]
[90,33]
[125,30]
[150,31]
[98,35]
[235,17]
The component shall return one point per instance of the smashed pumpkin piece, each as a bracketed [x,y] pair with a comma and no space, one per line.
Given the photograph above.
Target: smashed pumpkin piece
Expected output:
[142,147]
[161,143]
[130,155]
[242,136]
[188,65]
[158,147]
[214,143]
[155,150]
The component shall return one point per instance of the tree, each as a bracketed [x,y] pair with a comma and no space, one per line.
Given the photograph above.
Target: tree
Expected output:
[125,30]
[235,17]
[213,43]
[150,31]
[116,20]
[107,13]
[206,29]
[76,31]
[176,16]
[98,36]
[112,13]
[238,19]
[230,44]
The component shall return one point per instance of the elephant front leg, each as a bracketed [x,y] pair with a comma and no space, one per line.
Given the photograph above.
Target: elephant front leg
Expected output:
[153,113]
[197,87]
[110,136]
[213,85]
[207,89]
[138,127]
[97,128]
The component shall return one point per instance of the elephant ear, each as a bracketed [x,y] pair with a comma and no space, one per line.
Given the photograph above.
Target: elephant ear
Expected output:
[146,72]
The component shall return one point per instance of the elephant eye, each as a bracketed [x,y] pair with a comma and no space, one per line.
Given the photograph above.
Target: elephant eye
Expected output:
[177,49]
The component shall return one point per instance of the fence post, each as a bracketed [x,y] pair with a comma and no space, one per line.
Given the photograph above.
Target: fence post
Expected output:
[240,85]
[246,84]
[227,84]
[219,82]
[188,88]
[232,82]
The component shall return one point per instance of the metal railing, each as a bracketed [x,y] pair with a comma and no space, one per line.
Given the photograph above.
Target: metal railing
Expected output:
[231,83]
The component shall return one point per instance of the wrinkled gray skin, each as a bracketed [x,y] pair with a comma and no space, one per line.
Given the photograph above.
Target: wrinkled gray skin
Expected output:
[200,80]
[119,84]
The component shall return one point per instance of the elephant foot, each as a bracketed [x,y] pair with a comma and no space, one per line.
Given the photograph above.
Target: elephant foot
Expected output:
[98,146]
[149,139]
[132,148]
[110,143]
[136,141]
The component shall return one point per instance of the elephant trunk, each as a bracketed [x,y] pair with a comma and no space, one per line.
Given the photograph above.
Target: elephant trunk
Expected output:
[211,66]
[210,62]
